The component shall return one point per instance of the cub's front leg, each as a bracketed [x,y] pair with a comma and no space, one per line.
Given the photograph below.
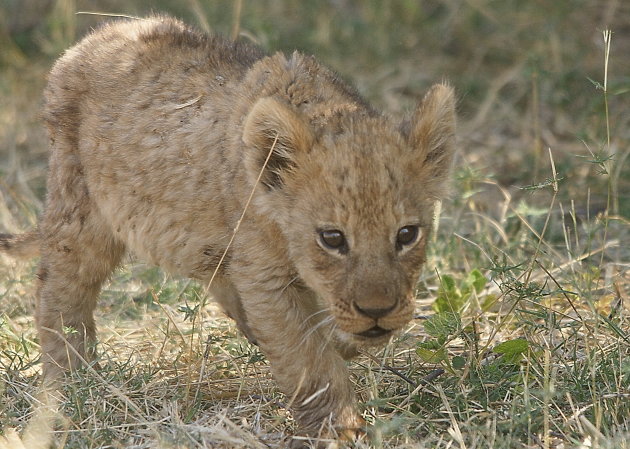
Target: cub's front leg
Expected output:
[302,354]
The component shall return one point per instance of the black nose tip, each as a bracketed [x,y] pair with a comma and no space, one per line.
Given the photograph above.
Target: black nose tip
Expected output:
[376,312]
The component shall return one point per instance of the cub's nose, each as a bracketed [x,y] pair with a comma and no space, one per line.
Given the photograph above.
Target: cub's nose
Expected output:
[374,312]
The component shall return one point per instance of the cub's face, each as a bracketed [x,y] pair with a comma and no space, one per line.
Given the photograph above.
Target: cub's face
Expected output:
[356,206]
[357,227]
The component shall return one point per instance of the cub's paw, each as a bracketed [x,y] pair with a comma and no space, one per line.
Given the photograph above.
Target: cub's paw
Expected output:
[337,438]
[356,432]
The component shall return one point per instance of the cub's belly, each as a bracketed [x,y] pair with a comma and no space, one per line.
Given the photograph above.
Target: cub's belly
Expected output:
[181,241]
[176,224]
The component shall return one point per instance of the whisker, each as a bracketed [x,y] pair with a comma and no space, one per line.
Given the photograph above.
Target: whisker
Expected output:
[324,310]
[289,283]
[304,323]
[327,339]
[326,321]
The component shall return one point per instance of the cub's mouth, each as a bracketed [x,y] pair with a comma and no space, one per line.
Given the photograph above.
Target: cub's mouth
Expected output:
[375,336]
[375,332]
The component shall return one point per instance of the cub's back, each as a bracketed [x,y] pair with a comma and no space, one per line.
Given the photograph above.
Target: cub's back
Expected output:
[137,113]
[157,58]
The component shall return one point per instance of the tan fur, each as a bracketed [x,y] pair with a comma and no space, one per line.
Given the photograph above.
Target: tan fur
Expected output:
[22,246]
[158,134]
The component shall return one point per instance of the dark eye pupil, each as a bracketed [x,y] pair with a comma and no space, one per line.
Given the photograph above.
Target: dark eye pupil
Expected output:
[406,235]
[333,239]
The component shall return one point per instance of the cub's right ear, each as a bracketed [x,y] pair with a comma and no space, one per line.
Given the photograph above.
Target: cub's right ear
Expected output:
[272,124]
[431,133]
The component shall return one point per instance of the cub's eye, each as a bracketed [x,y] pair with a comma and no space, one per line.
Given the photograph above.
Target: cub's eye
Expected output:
[406,236]
[333,239]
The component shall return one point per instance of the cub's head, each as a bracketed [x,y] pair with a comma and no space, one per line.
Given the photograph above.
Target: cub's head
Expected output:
[354,199]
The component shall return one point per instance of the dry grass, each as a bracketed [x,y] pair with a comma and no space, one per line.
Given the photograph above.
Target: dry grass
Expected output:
[540,207]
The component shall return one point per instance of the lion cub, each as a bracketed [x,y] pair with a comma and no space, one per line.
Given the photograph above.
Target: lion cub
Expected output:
[159,134]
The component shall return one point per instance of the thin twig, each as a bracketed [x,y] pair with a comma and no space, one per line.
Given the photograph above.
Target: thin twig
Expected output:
[227,248]
[236,23]
[105,14]
[424,381]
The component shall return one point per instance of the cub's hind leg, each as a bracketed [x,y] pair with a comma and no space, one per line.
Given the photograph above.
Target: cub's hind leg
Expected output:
[77,257]
[78,253]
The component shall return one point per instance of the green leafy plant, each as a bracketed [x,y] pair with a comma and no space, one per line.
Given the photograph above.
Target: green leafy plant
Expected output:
[453,295]
[441,326]
[512,351]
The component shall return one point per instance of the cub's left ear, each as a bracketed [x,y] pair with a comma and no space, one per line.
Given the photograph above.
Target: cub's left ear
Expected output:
[431,133]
